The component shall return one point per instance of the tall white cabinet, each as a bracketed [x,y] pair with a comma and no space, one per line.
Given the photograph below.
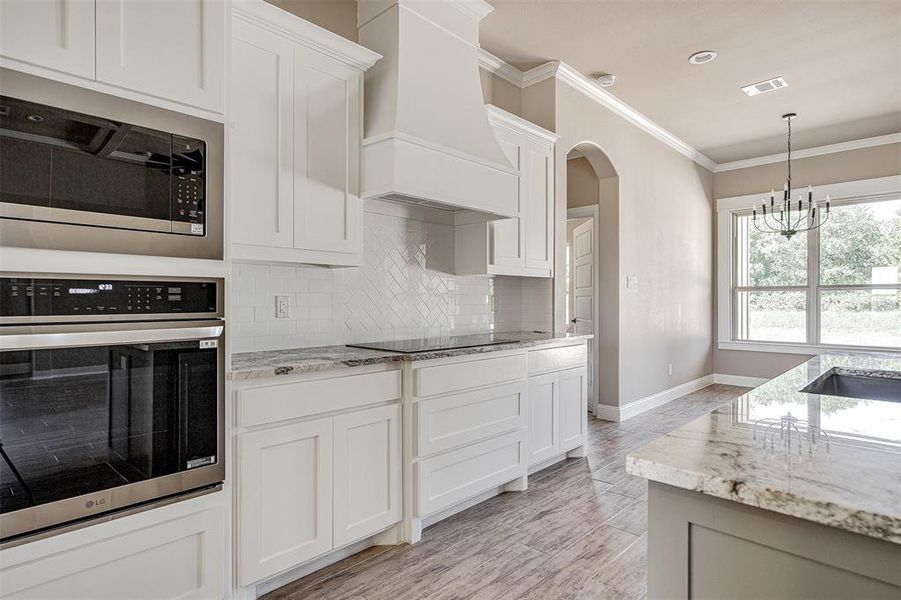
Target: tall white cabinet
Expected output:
[522,245]
[296,105]
[170,54]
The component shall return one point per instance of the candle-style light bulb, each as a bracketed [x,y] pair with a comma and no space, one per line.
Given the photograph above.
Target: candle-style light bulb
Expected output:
[827,204]
[772,196]
[809,193]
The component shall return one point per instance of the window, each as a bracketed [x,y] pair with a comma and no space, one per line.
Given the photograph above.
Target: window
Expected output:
[837,285]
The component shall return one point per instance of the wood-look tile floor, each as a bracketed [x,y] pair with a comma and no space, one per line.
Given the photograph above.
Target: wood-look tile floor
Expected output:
[579,532]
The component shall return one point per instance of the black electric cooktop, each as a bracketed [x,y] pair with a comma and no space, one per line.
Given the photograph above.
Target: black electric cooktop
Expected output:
[438,343]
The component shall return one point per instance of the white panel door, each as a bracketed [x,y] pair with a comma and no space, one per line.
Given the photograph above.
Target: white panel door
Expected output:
[261,144]
[138,556]
[56,34]
[172,50]
[583,277]
[507,243]
[285,497]
[538,206]
[573,408]
[367,475]
[328,213]
[544,411]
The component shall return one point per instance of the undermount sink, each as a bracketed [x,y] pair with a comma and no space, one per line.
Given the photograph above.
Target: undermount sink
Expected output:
[857,383]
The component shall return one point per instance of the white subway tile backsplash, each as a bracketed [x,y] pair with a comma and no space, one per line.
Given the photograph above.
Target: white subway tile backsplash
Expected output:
[403,290]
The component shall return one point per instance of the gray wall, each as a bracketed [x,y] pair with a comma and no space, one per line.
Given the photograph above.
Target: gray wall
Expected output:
[665,239]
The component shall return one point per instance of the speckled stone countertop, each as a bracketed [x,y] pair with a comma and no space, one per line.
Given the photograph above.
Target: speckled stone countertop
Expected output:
[254,365]
[730,454]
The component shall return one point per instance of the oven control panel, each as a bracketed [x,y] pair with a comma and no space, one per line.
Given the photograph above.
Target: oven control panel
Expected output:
[26,297]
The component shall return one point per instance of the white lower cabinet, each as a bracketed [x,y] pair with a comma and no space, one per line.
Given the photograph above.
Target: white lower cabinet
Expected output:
[285,497]
[558,413]
[367,473]
[573,405]
[319,467]
[176,551]
[544,415]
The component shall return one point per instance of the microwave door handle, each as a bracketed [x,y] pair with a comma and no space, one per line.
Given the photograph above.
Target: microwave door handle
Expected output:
[67,337]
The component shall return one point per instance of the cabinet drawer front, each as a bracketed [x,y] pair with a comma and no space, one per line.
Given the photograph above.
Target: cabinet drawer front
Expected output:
[447,479]
[118,562]
[557,359]
[446,422]
[272,403]
[457,376]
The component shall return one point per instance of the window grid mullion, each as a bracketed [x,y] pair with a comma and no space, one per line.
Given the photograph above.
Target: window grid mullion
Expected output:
[813,286]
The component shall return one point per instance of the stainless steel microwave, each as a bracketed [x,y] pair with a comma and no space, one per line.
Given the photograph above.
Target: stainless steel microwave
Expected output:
[82,170]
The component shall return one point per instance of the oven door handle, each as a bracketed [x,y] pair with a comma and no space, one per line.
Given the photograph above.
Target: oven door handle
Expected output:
[74,336]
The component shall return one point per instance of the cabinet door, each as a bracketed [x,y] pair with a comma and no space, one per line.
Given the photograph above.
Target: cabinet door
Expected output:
[328,213]
[573,408]
[173,50]
[261,146]
[285,497]
[538,206]
[56,34]
[507,242]
[544,411]
[367,472]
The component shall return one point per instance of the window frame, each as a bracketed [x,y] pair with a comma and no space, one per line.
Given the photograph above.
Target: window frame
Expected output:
[728,212]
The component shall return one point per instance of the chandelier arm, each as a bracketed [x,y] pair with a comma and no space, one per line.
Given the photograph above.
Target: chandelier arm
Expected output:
[773,228]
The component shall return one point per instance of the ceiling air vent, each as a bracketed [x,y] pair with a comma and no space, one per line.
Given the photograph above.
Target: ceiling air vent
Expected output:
[762,87]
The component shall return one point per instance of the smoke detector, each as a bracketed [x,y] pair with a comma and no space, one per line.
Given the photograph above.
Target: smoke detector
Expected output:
[605,79]
[701,57]
[762,87]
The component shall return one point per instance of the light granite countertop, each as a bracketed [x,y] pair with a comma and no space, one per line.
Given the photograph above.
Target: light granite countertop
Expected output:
[730,454]
[268,363]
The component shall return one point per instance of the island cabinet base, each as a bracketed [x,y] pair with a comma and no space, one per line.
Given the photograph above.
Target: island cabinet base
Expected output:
[702,547]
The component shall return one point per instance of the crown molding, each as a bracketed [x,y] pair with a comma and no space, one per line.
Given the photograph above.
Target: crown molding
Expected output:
[568,75]
[881,140]
[271,18]
[489,62]
[502,118]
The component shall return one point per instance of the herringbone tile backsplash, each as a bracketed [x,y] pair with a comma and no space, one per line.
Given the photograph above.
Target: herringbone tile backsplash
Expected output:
[403,290]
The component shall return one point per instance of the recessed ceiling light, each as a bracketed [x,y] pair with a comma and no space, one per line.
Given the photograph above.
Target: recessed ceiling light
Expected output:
[701,57]
[762,87]
[606,79]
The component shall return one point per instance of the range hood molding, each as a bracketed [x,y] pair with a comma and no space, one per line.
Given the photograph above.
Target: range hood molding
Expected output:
[427,138]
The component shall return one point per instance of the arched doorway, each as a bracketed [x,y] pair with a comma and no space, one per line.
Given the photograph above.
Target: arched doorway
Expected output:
[592,265]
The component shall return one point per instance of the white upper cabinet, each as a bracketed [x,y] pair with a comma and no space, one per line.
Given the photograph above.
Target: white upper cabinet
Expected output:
[522,245]
[173,50]
[261,147]
[296,106]
[55,34]
[169,54]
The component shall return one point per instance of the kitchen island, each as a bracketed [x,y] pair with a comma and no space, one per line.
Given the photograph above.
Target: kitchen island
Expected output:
[782,493]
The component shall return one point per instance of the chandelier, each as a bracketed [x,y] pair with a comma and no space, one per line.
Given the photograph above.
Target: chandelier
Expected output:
[788,218]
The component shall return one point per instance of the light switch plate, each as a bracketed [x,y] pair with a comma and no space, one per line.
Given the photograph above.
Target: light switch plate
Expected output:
[282,308]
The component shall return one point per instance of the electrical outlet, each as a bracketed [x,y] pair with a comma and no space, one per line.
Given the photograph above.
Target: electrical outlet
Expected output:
[282,309]
[632,282]
[669,369]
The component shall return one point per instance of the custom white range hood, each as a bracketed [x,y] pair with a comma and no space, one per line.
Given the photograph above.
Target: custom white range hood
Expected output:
[427,140]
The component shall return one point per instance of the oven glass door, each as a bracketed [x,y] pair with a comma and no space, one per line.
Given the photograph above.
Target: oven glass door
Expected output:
[79,420]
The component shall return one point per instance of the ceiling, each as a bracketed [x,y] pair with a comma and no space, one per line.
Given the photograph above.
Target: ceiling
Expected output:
[841,58]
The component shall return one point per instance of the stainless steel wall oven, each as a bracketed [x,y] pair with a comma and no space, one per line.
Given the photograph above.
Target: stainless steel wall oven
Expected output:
[81,170]
[101,416]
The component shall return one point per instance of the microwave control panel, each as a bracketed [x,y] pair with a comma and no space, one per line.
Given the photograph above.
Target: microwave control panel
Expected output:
[188,186]
[26,297]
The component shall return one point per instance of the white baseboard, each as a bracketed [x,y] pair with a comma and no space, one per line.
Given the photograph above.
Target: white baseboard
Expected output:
[741,380]
[621,413]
